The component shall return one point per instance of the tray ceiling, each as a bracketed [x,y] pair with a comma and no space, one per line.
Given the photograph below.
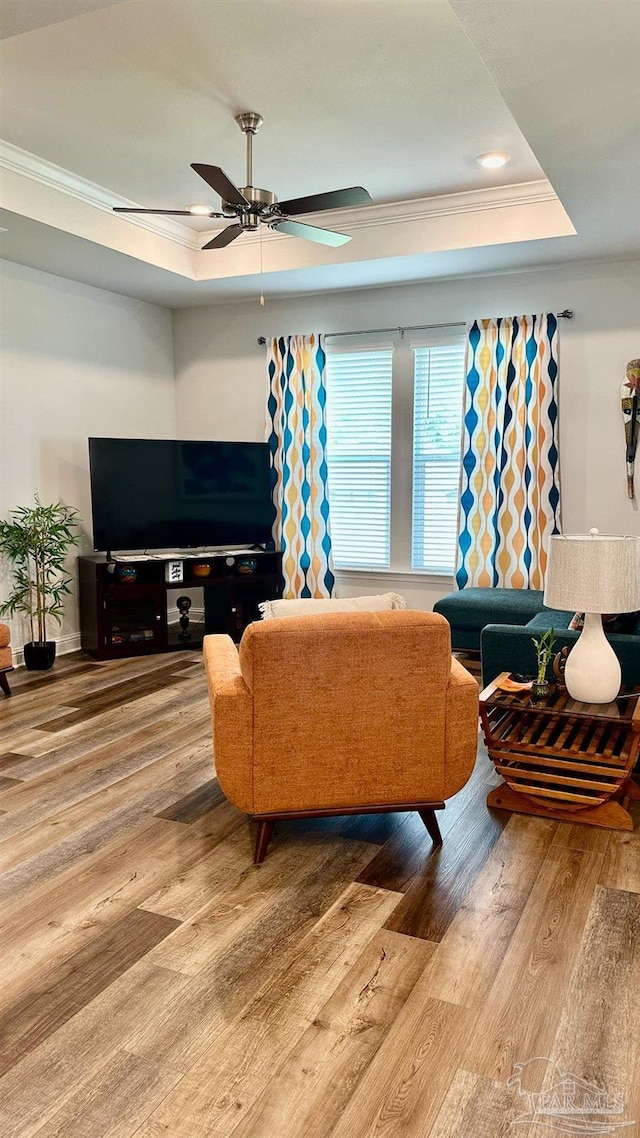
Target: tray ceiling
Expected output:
[109,101]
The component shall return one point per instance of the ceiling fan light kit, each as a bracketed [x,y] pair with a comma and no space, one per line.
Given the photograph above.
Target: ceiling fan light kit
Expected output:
[250,206]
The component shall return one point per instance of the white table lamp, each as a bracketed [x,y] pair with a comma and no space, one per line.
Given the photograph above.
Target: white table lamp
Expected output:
[593,574]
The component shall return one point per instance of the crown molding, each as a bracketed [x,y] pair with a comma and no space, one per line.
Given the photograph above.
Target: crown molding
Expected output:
[46,173]
[448,205]
[419,209]
[55,177]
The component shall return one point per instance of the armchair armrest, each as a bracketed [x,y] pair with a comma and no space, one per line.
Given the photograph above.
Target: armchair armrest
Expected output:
[461,728]
[232,720]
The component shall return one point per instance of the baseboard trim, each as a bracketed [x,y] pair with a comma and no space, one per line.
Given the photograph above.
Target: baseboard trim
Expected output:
[64,645]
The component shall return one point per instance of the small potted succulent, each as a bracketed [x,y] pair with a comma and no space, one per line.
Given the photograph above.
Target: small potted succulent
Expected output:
[544,645]
[36,540]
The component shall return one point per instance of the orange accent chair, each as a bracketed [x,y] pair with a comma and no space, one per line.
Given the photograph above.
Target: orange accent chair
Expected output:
[6,663]
[347,713]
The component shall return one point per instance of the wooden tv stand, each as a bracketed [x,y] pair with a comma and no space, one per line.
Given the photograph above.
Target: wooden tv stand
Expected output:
[125,605]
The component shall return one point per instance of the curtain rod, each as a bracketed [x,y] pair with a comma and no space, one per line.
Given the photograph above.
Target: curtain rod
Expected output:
[566,314]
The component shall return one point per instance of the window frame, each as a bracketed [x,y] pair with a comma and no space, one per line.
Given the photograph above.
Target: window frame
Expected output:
[416,346]
[402,458]
[347,349]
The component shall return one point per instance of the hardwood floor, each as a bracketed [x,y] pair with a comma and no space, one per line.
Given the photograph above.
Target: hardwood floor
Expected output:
[359,983]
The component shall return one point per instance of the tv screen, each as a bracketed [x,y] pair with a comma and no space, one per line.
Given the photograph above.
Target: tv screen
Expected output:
[167,494]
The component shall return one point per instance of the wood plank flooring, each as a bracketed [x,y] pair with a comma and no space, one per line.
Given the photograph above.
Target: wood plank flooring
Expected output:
[358,984]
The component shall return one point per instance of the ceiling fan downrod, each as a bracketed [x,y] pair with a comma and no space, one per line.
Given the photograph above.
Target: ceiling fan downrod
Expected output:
[262,201]
[249,123]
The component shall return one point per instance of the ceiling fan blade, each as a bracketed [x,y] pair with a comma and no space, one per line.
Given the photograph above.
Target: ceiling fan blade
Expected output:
[334,199]
[311,233]
[218,180]
[177,212]
[225,238]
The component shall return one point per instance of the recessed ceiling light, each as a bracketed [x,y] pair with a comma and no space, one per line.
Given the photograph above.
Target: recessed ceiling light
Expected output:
[493,159]
[199,210]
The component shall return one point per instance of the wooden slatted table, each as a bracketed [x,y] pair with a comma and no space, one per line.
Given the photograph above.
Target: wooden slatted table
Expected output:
[565,760]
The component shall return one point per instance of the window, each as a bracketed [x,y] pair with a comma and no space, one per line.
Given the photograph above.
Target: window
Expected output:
[359,457]
[437,426]
[394,426]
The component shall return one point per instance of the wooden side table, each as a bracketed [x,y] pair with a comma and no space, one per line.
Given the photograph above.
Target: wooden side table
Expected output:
[565,760]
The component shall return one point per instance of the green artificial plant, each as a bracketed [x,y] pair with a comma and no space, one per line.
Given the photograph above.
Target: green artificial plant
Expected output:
[36,540]
[544,645]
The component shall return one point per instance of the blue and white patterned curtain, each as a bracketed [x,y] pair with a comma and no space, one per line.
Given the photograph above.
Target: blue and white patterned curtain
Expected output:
[510,486]
[297,437]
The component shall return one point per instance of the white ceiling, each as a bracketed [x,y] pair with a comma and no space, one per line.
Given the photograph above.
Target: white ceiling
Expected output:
[571,78]
[388,95]
[397,95]
[18,16]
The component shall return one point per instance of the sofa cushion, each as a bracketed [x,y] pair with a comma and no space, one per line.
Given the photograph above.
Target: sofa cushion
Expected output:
[5,635]
[313,606]
[473,608]
[625,622]
[550,618]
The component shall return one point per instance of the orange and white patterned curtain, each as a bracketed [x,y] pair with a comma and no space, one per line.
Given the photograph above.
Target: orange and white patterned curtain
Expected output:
[510,489]
[297,437]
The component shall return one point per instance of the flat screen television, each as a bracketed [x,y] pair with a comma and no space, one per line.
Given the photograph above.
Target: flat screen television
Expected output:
[167,494]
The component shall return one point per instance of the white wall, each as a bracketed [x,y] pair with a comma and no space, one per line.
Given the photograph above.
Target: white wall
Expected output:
[221,385]
[79,361]
[76,361]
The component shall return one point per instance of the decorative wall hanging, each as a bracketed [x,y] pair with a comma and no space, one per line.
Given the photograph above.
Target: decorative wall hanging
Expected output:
[631,414]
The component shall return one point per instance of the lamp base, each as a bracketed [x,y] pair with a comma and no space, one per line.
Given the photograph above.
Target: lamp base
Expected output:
[592,673]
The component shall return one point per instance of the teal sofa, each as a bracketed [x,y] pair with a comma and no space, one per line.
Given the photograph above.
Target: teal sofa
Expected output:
[509,647]
[500,624]
[469,610]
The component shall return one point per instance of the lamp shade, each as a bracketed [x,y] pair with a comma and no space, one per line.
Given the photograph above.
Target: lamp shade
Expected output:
[593,573]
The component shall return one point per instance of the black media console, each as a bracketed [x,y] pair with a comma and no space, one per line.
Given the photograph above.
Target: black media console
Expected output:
[161,604]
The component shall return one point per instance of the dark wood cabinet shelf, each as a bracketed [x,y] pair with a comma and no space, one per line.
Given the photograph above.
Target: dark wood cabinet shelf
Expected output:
[130,608]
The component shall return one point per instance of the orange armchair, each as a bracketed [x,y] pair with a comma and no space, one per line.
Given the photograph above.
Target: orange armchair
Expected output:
[348,713]
[6,663]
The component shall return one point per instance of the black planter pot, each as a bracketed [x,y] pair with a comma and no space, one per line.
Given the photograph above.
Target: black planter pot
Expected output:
[39,657]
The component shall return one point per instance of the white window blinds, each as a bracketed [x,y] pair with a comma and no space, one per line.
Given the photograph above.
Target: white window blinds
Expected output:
[359,457]
[437,426]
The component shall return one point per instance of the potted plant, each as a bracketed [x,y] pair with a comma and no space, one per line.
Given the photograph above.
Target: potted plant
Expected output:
[544,645]
[36,540]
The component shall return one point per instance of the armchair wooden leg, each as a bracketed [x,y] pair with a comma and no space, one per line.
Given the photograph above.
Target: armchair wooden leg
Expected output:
[263,837]
[431,822]
[4,683]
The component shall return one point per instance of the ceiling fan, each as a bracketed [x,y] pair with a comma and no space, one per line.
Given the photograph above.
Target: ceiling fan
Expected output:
[252,207]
